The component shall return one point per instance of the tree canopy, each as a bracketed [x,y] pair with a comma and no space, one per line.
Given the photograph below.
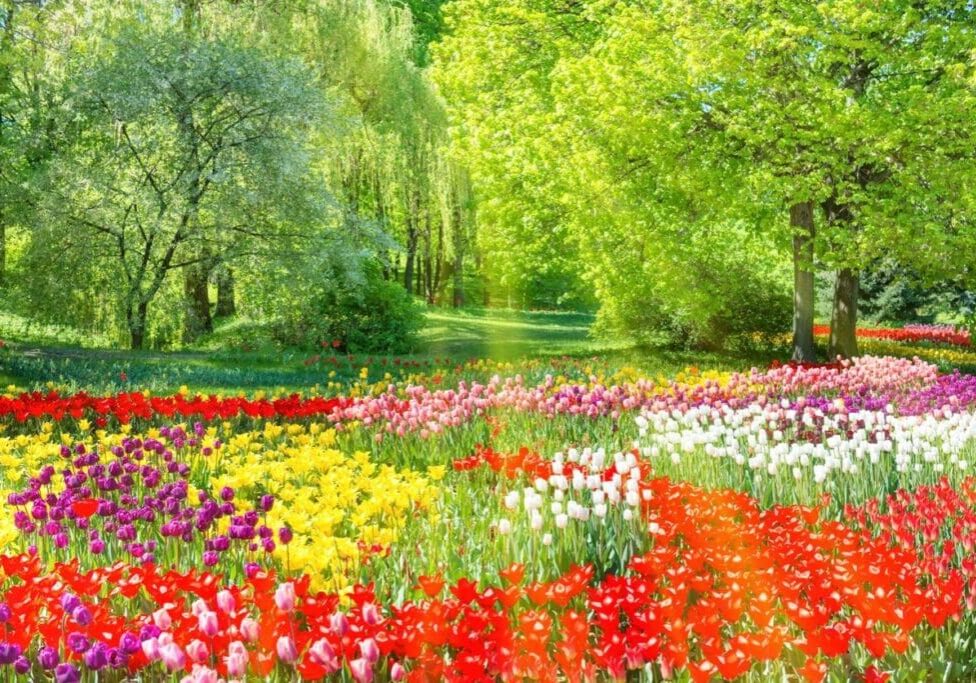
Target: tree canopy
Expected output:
[689,169]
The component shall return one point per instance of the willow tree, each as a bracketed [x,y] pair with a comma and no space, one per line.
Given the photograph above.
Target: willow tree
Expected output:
[385,169]
[184,146]
[494,67]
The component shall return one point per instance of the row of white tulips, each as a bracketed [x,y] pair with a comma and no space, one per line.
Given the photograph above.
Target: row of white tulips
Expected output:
[764,442]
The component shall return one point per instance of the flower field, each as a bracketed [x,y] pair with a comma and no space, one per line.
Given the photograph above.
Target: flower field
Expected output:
[550,520]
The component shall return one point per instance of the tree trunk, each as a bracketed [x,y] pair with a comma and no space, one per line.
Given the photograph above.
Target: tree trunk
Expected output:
[411,254]
[843,320]
[427,239]
[419,285]
[136,320]
[428,276]
[3,249]
[408,271]
[801,222]
[457,239]
[226,304]
[197,320]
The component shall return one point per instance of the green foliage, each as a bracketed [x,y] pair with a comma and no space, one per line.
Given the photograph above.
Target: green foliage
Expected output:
[374,316]
[658,146]
[894,293]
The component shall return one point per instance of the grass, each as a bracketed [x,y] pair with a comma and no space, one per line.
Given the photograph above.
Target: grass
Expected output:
[38,356]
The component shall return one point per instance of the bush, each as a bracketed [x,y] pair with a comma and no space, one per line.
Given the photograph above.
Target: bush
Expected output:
[372,315]
[737,304]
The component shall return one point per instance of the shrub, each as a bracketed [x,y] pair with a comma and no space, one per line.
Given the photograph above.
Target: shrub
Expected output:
[368,315]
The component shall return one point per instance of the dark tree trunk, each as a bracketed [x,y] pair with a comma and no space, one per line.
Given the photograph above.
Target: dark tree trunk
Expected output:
[440,268]
[428,239]
[136,319]
[196,292]
[226,303]
[457,236]
[408,268]
[843,319]
[3,249]
[408,271]
[419,284]
[801,222]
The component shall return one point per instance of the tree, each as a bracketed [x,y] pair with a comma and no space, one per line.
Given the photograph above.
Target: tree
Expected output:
[184,148]
[494,68]
[667,127]
[34,37]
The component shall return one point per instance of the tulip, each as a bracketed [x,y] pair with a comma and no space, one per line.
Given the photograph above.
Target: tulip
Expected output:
[225,602]
[250,629]
[150,648]
[207,623]
[161,618]
[66,673]
[236,664]
[370,650]
[339,623]
[371,614]
[285,597]
[362,670]
[287,652]
[78,643]
[172,657]
[197,651]
[81,615]
[22,665]
[201,674]
[48,658]
[96,657]
[9,653]
[324,654]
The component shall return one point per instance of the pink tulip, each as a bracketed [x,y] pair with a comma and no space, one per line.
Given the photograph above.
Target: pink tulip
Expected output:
[285,597]
[173,657]
[198,607]
[287,652]
[371,615]
[197,651]
[201,674]
[339,623]
[226,602]
[207,621]
[236,664]
[161,618]
[370,650]
[362,670]
[250,629]
[150,648]
[324,654]
[397,672]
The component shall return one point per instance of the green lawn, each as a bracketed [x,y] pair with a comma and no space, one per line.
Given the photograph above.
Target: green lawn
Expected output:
[37,355]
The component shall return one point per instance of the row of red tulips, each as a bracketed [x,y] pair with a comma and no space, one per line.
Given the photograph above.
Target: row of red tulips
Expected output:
[939,334]
[725,587]
[126,406]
